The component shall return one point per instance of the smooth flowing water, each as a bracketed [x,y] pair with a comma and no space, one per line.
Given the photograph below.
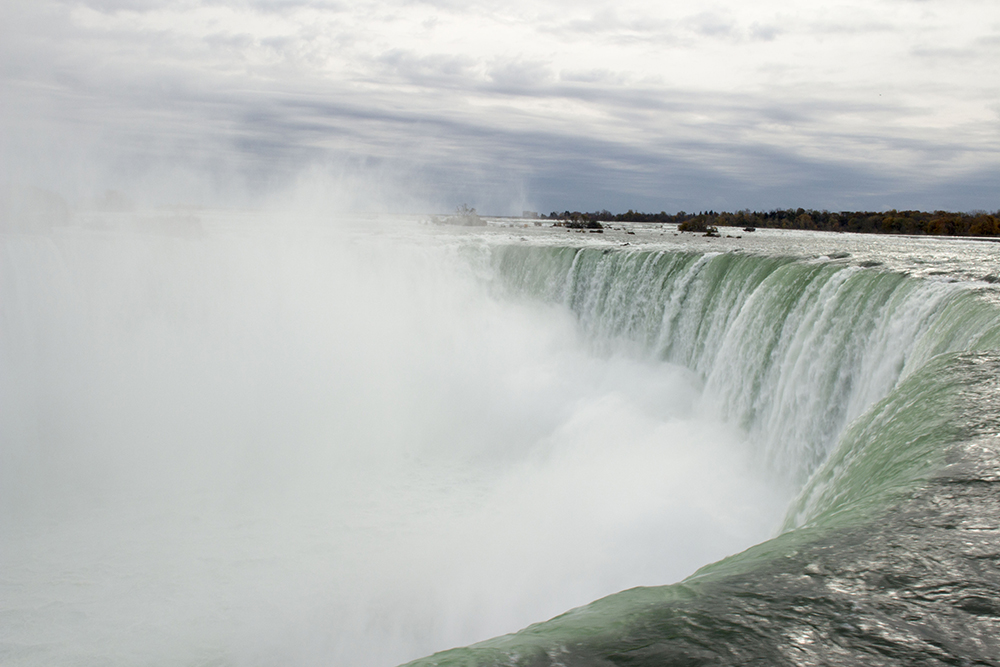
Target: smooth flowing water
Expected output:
[864,370]
[239,439]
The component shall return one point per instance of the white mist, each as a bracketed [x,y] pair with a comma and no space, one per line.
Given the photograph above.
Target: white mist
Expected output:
[262,444]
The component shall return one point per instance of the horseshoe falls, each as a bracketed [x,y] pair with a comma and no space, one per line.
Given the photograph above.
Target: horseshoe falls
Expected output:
[243,438]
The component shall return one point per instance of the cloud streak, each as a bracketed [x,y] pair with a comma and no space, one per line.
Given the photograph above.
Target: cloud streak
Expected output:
[526,102]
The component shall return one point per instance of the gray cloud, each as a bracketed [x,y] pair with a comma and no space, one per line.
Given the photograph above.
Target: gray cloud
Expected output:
[608,22]
[241,103]
[765,32]
[602,76]
[853,27]
[434,70]
[520,76]
[710,24]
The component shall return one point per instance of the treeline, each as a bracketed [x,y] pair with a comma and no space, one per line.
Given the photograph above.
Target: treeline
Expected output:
[977,223]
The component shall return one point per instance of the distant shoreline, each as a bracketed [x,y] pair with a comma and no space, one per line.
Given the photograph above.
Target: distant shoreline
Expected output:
[916,223]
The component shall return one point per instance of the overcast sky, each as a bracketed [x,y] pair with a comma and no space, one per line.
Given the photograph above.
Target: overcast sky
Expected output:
[510,105]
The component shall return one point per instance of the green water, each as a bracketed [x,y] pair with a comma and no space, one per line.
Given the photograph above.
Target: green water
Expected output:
[862,386]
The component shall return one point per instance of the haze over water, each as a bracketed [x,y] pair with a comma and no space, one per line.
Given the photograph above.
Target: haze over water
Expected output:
[245,438]
[240,443]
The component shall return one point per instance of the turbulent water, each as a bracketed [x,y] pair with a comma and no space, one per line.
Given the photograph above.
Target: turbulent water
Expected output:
[241,439]
[871,383]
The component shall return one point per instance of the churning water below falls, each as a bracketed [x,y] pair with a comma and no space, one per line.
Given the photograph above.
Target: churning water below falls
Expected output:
[230,439]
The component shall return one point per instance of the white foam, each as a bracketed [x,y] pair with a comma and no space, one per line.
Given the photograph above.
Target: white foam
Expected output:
[267,445]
